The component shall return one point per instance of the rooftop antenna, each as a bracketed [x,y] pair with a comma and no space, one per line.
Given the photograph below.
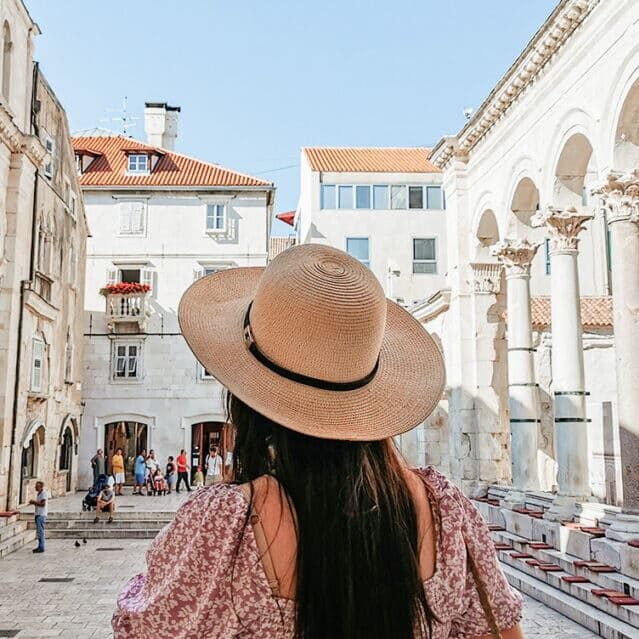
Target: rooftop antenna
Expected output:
[124,120]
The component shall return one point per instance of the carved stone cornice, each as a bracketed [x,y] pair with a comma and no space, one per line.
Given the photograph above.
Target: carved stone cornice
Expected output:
[486,277]
[10,134]
[620,197]
[33,149]
[515,255]
[563,225]
[542,48]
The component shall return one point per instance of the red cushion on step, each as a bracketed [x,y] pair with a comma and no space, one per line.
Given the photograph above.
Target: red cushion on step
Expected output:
[532,562]
[607,592]
[634,543]
[520,555]
[582,563]
[540,545]
[549,567]
[575,579]
[601,569]
[593,530]
[495,528]
[503,547]
[624,601]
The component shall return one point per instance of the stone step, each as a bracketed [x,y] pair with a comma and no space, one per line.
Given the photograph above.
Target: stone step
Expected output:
[579,591]
[16,542]
[109,531]
[76,524]
[597,621]
[8,518]
[122,513]
[12,529]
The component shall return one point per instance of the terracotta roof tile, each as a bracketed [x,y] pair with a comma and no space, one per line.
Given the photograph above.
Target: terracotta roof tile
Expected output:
[172,169]
[370,160]
[596,312]
[288,217]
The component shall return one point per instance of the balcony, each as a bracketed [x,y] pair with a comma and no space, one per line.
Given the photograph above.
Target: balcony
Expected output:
[127,306]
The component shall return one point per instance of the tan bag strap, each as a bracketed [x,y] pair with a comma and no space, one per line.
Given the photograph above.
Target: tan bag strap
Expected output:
[483,595]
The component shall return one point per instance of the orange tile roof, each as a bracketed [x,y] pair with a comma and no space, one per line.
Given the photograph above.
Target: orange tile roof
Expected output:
[172,169]
[288,217]
[596,312]
[370,160]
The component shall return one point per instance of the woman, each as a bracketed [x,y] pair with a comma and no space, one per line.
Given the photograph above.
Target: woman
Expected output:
[327,534]
[171,473]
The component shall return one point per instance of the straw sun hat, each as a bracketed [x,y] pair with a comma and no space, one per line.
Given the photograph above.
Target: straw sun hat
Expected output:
[312,343]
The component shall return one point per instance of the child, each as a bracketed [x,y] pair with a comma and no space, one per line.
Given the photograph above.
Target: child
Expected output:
[159,483]
[199,478]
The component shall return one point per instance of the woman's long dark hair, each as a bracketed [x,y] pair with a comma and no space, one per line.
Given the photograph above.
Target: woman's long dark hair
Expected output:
[357,572]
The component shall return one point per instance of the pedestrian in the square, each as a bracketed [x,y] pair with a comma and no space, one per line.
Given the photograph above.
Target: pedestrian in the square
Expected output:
[140,472]
[198,479]
[182,471]
[106,504]
[152,465]
[98,464]
[117,463]
[214,467]
[321,372]
[171,474]
[41,511]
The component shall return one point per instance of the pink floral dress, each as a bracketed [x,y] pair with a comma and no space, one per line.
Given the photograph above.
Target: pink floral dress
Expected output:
[205,577]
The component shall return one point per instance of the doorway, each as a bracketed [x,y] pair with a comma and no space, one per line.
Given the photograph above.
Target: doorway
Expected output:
[131,437]
[204,436]
[66,455]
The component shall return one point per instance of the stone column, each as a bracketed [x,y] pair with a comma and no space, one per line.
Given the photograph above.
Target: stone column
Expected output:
[571,434]
[517,256]
[620,197]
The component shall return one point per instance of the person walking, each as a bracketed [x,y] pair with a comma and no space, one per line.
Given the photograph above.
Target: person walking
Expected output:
[171,474]
[214,467]
[182,471]
[140,472]
[328,533]
[98,464]
[41,503]
[117,464]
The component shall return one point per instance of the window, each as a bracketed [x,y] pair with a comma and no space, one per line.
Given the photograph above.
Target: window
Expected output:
[398,197]
[380,196]
[415,197]
[126,363]
[138,163]
[203,373]
[327,196]
[215,218]
[132,218]
[425,255]
[547,255]
[358,248]
[7,52]
[363,197]
[345,197]
[37,365]
[434,197]
[68,361]
[50,148]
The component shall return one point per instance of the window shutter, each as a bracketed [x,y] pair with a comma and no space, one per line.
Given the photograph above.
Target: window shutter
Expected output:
[125,217]
[147,277]
[37,364]
[137,217]
[112,276]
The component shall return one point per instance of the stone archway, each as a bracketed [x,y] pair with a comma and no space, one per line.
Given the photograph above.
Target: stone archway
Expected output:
[626,146]
[31,458]
[574,172]
[486,235]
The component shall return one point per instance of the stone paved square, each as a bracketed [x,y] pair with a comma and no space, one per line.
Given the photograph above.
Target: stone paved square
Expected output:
[82,609]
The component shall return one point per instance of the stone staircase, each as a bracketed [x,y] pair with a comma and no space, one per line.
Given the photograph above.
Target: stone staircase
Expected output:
[126,525]
[568,566]
[14,533]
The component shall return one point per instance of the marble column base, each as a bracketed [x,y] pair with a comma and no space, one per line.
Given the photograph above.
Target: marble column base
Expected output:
[624,528]
[563,508]
[514,499]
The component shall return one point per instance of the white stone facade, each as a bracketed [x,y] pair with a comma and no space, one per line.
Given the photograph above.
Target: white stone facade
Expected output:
[560,120]
[168,249]
[43,233]
[389,233]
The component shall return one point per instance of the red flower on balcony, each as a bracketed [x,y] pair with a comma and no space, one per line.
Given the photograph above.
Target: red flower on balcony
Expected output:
[125,288]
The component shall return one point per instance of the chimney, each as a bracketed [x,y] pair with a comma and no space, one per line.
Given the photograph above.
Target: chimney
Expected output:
[161,124]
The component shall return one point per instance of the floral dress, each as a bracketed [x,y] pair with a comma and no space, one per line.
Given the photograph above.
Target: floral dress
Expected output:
[205,577]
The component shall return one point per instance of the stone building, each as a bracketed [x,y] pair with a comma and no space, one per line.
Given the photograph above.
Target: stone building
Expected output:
[384,206]
[159,220]
[538,320]
[43,231]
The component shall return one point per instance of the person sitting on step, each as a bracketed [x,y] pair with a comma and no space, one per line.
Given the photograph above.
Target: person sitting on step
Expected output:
[159,483]
[106,503]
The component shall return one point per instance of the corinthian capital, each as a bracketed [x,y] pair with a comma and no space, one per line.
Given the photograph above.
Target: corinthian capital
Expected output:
[620,196]
[515,255]
[563,225]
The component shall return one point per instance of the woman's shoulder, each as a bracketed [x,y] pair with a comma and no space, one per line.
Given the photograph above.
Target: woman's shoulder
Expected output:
[438,484]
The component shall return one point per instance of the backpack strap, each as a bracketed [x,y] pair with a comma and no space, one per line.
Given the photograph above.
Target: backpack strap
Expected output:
[483,595]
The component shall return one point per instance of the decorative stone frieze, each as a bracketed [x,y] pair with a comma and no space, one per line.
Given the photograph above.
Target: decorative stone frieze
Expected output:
[516,256]
[34,149]
[620,197]
[486,277]
[541,50]
[563,225]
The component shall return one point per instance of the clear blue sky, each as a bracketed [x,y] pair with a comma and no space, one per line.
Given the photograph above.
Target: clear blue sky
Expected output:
[258,80]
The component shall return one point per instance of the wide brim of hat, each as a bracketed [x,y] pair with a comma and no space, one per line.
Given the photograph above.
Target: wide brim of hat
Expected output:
[406,388]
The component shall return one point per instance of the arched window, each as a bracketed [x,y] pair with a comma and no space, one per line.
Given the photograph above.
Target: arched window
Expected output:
[7,47]
[66,449]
